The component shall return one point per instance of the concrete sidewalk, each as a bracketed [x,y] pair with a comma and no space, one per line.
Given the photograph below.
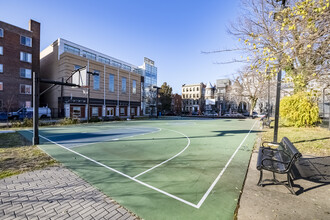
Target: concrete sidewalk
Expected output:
[276,202]
[55,193]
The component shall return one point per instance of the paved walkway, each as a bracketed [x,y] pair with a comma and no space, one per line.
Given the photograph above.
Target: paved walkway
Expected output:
[55,193]
[276,202]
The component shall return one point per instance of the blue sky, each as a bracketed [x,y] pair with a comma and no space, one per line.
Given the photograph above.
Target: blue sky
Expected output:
[171,32]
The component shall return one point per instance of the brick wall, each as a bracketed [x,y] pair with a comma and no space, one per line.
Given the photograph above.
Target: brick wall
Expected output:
[11,97]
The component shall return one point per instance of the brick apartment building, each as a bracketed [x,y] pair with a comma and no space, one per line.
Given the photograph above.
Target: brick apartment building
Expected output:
[193,98]
[19,58]
[116,91]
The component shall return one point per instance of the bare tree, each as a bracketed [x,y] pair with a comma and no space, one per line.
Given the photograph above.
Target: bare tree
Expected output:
[295,39]
[254,86]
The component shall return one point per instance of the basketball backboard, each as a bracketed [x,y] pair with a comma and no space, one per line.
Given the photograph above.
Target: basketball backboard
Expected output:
[80,77]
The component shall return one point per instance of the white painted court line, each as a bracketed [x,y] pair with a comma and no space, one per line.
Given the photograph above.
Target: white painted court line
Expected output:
[222,171]
[169,158]
[120,173]
[154,188]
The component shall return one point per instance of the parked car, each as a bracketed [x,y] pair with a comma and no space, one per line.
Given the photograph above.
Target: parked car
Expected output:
[44,112]
[246,114]
[254,114]
[233,115]
[211,114]
[3,116]
[257,115]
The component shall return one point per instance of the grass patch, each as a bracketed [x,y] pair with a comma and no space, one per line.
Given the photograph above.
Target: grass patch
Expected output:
[312,141]
[17,155]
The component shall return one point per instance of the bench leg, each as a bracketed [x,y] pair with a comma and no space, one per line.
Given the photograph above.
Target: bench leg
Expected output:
[290,183]
[260,179]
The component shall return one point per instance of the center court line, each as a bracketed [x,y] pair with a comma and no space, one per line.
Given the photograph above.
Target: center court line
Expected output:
[169,158]
[152,187]
[120,173]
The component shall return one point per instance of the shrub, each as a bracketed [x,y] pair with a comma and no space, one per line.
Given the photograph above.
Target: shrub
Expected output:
[69,121]
[300,110]
[27,122]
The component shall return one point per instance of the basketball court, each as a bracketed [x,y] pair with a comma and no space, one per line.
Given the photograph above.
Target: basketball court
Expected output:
[159,169]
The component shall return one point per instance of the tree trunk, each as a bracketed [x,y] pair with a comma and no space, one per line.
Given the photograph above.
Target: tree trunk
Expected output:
[253,101]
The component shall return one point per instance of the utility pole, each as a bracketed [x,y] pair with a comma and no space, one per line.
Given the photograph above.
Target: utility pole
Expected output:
[35,139]
[278,88]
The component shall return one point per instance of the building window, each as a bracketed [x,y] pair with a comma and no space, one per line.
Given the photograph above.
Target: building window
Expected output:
[197,89]
[1,68]
[132,111]
[27,104]
[1,32]
[89,55]
[95,112]
[110,111]
[134,87]
[26,57]
[76,112]
[70,49]
[25,89]
[1,86]
[104,60]
[123,85]
[111,82]
[122,111]
[1,50]
[25,73]
[27,41]
[115,63]
[96,80]
[125,67]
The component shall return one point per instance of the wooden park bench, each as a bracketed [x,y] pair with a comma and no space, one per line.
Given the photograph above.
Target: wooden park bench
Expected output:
[278,160]
[266,122]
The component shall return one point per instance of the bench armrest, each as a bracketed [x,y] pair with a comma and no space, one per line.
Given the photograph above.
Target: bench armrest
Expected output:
[269,143]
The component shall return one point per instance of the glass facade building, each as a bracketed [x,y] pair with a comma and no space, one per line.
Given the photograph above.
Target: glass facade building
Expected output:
[149,71]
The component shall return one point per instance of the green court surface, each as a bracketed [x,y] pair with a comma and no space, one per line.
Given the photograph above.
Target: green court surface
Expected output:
[160,169]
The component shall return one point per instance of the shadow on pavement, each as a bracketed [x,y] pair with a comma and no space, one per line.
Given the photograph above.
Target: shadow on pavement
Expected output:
[313,169]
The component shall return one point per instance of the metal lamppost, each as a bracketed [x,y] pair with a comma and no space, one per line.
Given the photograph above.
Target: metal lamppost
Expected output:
[278,89]
[88,91]
[268,104]
[157,88]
